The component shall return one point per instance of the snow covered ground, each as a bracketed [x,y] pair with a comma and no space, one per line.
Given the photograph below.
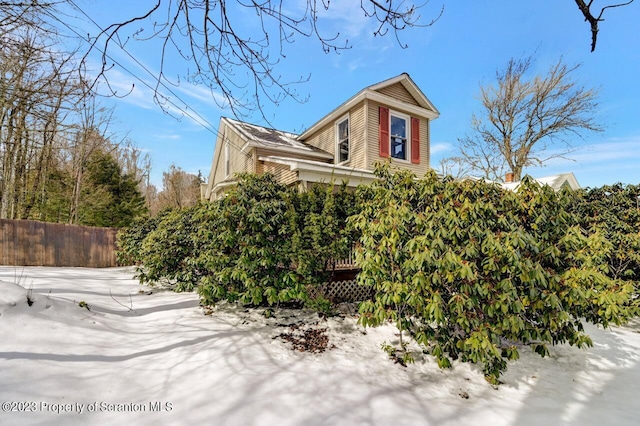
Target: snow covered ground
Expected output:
[162,360]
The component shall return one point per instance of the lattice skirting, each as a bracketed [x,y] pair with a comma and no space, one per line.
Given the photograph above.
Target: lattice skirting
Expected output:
[342,291]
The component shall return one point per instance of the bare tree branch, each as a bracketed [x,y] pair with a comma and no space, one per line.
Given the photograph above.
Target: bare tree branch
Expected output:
[238,61]
[593,21]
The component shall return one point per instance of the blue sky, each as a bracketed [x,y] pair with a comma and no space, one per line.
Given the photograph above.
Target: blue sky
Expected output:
[448,61]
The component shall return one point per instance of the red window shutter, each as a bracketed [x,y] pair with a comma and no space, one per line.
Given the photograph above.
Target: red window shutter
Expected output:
[415,140]
[383,130]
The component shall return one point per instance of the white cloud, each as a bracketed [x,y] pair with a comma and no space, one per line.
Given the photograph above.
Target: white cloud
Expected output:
[441,147]
[609,151]
[135,81]
[171,136]
[125,88]
[612,160]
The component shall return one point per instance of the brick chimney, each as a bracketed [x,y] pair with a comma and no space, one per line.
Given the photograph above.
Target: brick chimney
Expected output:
[508,178]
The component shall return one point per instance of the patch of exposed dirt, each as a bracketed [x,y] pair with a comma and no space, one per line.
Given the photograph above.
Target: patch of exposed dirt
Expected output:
[308,339]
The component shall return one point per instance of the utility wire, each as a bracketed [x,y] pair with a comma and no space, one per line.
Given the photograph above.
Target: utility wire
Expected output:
[178,107]
[210,127]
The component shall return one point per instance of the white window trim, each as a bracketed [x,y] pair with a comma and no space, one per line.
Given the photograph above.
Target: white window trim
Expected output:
[407,120]
[227,159]
[337,147]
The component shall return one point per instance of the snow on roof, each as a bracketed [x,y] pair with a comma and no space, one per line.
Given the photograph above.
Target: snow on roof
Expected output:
[270,138]
[556,182]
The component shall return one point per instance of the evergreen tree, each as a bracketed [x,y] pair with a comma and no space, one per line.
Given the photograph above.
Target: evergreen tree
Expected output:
[110,197]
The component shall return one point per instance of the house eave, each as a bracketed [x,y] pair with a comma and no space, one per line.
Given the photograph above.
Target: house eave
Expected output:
[310,171]
[220,185]
[411,86]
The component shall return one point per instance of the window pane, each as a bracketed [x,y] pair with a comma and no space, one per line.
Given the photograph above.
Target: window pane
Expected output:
[343,141]
[343,155]
[343,130]
[398,127]
[398,147]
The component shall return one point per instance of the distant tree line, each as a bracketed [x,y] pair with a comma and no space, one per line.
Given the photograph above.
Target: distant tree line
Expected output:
[59,161]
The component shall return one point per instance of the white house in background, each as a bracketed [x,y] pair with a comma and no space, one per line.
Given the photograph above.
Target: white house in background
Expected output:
[390,119]
[556,182]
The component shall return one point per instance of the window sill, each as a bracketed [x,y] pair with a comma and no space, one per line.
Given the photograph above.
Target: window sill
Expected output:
[400,160]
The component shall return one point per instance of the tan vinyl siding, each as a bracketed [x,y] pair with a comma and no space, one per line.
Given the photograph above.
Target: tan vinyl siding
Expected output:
[239,162]
[399,92]
[358,136]
[373,151]
[425,143]
[262,152]
[282,172]
[325,138]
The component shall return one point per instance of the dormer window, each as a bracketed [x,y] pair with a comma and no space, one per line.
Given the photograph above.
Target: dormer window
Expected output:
[398,134]
[343,147]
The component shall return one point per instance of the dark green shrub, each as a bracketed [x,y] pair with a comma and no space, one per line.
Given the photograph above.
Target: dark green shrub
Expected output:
[246,245]
[166,252]
[263,243]
[470,270]
[266,243]
[614,212]
[129,239]
[320,234]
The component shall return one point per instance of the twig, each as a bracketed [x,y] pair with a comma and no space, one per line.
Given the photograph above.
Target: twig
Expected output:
[130,308]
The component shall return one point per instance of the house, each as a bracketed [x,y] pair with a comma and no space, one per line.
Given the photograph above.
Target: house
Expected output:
[390,119]
[556,182]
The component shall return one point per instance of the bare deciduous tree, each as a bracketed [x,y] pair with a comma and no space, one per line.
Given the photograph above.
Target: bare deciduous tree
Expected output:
[238,62]
[36,93]
[522,119]
[179,189]
[234,48]
[455,166]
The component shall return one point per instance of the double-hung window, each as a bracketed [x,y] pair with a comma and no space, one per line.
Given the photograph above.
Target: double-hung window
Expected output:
[342,139]
[398,134]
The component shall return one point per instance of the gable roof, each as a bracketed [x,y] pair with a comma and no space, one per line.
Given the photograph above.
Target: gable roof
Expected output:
[412,88]
[424,108]
[263,137]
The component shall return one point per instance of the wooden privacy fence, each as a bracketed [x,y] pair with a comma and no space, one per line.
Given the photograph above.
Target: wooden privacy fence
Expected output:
[33,243]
